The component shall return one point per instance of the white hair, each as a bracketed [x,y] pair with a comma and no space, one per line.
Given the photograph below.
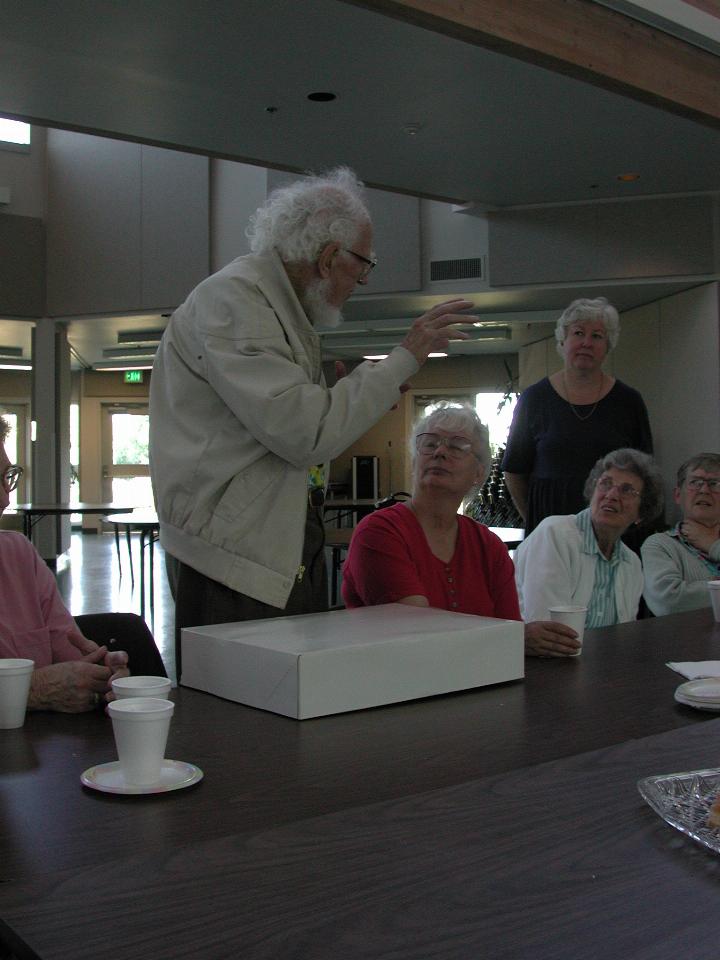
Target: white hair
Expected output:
[300,219]
[456,416]
[581,310]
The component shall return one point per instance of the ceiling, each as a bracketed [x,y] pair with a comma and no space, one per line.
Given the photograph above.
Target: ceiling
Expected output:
[415,111]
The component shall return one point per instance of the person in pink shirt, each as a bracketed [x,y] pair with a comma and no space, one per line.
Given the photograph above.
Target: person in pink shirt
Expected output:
[424,553]
[72,674]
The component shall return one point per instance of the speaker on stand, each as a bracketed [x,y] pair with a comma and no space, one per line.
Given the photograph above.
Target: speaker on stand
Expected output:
[365,472]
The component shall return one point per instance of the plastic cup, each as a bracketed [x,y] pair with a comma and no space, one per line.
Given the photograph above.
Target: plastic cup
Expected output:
[714,588]
[573,616]
[157,687]
[140,726]
[15,677]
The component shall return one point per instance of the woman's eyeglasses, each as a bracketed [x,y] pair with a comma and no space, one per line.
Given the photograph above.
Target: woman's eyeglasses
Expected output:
[428,443]
[625,490]
[11,477]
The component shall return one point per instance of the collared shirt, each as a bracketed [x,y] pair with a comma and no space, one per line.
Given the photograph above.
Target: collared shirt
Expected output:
[602,608]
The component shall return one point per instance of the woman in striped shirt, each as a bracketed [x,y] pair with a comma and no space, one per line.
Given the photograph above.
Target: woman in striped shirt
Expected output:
[580,560]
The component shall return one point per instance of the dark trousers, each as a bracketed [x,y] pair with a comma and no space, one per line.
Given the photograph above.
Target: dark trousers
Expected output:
[200,600]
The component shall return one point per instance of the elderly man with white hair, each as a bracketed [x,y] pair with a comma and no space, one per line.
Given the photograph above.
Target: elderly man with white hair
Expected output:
[242,424]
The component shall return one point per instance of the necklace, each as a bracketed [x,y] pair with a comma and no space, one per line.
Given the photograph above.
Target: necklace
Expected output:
[585,416]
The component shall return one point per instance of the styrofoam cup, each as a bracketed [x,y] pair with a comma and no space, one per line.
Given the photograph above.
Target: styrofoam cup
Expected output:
[140,726]
[157,687]
[573,616]
[714,588]
[15,677]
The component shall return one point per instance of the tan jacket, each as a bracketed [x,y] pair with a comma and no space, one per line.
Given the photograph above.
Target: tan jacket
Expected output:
[239,411]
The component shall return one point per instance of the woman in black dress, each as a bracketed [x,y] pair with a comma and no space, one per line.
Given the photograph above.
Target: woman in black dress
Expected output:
[564,423]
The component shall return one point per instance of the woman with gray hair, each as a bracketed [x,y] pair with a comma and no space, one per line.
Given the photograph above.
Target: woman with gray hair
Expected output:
[563,423]
[579,560]
[422,552]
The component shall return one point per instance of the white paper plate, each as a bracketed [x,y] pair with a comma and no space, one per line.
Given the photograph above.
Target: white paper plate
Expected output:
[707,688]
[702,694]
[108,778]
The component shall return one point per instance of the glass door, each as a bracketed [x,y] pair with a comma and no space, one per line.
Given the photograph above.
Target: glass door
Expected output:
[16,447]
[126,469]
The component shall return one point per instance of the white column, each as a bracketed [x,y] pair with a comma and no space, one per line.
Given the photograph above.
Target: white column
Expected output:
[51,447]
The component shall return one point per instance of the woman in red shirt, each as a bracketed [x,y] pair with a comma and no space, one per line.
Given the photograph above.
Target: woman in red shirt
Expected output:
[424,553]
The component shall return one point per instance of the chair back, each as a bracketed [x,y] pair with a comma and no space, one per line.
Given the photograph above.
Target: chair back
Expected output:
[125,631]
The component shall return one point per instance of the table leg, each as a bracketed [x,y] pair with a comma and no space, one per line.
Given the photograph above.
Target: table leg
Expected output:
[142,574]
[116,531]
[151,544]
[128,538]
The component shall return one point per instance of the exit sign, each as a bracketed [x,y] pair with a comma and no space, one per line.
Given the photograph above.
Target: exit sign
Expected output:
[133,376]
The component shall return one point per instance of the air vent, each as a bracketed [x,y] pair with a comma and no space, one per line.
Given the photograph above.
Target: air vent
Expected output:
[469,269]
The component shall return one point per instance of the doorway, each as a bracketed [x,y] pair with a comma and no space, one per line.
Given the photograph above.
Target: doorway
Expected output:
[125,457]
[16,446]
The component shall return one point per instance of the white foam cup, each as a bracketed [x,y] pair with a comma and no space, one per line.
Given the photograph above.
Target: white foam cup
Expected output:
[140,726]
[714,588]
[573,616]
[157,687]
[15,677]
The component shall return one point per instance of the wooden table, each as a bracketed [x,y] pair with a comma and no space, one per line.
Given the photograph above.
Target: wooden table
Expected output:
[320,839]
[146,523]
[32,512]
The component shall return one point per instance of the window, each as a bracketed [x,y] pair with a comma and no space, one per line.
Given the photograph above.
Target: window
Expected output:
[494,410]
[14,135]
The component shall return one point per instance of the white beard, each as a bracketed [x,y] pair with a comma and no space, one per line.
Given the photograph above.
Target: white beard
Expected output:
[320,312]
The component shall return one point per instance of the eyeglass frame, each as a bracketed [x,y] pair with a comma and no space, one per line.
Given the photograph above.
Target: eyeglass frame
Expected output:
[626,491]
[456,451]
[697,484]
[370,263]
[15,471]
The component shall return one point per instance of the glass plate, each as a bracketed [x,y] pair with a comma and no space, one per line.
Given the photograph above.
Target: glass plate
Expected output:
[683,800]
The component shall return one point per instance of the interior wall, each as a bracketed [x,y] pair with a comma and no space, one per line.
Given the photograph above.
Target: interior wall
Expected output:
[236,191]
[670,351]
[25,175]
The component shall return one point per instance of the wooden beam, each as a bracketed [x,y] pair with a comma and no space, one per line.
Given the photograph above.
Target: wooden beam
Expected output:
[582,39]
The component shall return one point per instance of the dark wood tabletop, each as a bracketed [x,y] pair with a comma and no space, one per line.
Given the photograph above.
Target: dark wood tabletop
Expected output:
[275,787]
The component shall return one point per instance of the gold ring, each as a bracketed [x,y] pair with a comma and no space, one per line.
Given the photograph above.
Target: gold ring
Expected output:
[96,699]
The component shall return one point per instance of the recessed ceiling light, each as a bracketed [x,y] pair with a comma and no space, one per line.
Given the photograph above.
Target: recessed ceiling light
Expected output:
[628,177]
[322,96]
[375,356]
[431,355]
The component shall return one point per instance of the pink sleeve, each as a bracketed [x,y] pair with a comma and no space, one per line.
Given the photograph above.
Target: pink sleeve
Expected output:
[56,616]
[379,567]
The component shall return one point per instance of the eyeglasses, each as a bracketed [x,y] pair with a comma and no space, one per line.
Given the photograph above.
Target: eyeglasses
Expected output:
[697,483]
[370,263]
[11,477]
[428,443]
[625,490]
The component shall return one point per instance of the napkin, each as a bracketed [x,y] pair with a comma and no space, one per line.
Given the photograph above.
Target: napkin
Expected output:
[700,668]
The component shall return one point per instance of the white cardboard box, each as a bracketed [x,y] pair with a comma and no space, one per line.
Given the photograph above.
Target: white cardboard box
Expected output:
[322,663]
